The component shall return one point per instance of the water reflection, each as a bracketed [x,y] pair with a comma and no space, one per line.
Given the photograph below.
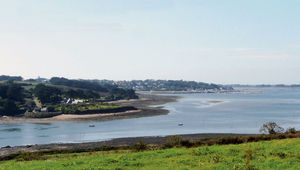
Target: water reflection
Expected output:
[46,128]
[11,130]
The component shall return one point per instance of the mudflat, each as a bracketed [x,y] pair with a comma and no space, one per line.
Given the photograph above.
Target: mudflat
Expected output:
[155,140]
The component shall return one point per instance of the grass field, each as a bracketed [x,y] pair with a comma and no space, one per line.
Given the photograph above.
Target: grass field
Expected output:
[275,154]
[93,106]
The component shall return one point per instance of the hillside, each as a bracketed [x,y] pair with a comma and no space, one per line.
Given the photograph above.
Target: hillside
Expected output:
[58,96]
[166,85]
[275,154]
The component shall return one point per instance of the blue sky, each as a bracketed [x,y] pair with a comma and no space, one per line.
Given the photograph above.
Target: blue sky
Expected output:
[249,42]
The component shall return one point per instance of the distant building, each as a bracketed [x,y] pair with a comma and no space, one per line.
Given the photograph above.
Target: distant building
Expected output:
[45,109]
[77,101]
[69,101]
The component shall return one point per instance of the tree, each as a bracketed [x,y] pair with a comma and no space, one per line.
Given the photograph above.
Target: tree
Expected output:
[47,94]
[84,84]
[11,97]
[14,78]
[8,108]
[271,128]
[15,92]
[12,91]
[91,89]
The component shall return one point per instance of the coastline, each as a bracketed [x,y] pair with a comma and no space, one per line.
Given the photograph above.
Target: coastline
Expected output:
[147,105]
[243,91]
[117,142]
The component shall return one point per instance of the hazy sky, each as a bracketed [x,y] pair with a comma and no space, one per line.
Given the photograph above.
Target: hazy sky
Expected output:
[232,41]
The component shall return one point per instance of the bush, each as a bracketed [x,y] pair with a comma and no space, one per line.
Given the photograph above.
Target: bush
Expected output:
[9,108]
[186,143]
[173,141]
[41,114]
[29,156]
[140,146]
[229,140]
[291,130]
[51,109]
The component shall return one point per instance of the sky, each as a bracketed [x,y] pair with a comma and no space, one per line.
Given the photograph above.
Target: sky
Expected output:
[214,41]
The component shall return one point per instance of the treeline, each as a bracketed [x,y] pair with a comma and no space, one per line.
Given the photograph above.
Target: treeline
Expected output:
[51,94]
[18,98]
[119,93]
[11,99]
[84,84]
[168,85]
[110,91]
[10,78]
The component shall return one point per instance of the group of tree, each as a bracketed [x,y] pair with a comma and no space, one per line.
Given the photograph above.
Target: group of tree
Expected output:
[15,99]
[167,85]
[84,84]
[81,94]
[11,97]
[119,93]
[111,91]
[10,78]
[47,94]
[53,95]
[274,128]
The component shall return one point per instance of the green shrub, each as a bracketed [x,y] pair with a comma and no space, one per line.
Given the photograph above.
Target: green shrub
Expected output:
[186,143]
[140,146]
[173,141]
[229,140]
[291,130]
[29,156]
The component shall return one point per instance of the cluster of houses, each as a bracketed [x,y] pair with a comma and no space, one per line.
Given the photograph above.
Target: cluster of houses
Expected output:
[65,101]
[71,101]
[43,109]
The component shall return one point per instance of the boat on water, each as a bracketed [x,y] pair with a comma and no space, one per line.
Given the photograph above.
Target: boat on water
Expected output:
[180,124]
[91,125]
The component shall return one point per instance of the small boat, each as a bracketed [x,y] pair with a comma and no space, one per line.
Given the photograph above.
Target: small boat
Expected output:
[180,124]
[91,125]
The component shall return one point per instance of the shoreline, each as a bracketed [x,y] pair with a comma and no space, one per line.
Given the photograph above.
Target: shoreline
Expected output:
[147,105]
[117,142]
[243,91]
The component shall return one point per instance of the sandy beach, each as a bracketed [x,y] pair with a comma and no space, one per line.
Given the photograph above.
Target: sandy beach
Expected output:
[89,116]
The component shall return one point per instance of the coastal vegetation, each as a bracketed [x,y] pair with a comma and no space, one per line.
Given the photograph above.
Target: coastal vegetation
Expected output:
[11,98]
[45,98]
[58,96]
[10,78]
[272,128]
[168,85]
[211,154]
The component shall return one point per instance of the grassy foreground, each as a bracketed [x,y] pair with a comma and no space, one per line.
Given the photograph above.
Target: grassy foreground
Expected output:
[275,154]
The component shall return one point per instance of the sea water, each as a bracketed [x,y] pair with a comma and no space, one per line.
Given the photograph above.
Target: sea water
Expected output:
[199,113]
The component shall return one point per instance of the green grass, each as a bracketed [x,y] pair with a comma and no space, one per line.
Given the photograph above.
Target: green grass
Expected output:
[97,106]
[275,154]
[37,102]
[93,106]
